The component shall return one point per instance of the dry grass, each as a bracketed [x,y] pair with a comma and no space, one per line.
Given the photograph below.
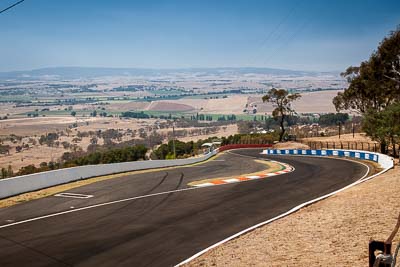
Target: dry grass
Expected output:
[311,102]
[168,106]
[358,137]
[229,130]
[333,232]
[290,145]
[43,125]
[233,104]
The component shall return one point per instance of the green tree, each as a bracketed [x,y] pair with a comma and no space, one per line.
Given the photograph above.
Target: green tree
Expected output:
[384,126]
[375,83]
[73,113]
[3,173]
[282,100]
[333,119]
[10,171]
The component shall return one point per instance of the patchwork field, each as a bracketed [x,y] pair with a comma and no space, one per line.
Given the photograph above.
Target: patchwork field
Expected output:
[310,102]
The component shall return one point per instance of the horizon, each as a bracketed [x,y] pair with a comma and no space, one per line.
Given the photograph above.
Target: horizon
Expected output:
[168,68]
[289,35]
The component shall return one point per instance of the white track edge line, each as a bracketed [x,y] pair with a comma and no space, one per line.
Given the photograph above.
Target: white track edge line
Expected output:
[361,180]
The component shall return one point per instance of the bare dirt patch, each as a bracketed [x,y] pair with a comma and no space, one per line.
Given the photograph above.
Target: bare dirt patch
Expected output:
[333,232]
[132,105]
[168,106]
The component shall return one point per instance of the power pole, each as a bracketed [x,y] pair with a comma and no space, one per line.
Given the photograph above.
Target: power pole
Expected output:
[173,140]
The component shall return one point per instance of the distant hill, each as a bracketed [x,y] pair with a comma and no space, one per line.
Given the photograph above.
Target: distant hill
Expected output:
[92,72]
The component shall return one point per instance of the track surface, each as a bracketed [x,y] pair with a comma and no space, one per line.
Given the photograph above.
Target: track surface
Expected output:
[164,229]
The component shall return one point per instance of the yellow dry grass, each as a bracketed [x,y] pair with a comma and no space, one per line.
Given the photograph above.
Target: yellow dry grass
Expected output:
[358,137]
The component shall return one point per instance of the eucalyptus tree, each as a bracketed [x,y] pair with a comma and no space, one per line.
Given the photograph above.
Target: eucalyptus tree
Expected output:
[281,100]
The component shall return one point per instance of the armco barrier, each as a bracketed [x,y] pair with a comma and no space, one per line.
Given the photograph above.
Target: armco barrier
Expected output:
[383,160]
[31,182]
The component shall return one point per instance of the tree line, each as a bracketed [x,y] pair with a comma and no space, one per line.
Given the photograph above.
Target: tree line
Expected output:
[124,154]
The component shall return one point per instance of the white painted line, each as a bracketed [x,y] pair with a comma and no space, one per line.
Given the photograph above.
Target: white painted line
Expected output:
[204,184]
[72,195]
[95,206]
[233,180]
[253,177]
[361,180]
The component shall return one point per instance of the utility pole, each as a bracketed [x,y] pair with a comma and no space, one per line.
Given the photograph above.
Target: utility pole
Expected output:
[340,126]
[173,139]
[352,125]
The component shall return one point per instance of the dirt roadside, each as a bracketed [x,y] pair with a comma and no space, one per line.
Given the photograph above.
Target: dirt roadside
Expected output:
[332,232]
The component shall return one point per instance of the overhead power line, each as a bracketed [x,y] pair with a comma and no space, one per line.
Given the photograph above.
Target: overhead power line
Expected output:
[13,5]
[273,32]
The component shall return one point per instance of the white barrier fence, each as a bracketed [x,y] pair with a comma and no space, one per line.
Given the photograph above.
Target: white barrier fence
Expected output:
[383,160]
[31,182]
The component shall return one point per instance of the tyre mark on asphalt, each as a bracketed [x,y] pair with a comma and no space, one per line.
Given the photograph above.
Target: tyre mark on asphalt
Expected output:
[159,203]
[145,193]
[157,185]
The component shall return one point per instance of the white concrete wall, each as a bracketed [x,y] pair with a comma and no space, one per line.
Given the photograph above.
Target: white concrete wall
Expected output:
[31,182]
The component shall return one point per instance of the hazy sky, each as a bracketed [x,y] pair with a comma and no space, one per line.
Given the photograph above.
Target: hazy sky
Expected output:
[303,35]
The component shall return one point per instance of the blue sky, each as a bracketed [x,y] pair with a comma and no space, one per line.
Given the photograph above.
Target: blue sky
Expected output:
[301,35]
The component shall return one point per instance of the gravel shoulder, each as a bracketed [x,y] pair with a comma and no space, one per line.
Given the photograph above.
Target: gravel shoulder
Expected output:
[332,232]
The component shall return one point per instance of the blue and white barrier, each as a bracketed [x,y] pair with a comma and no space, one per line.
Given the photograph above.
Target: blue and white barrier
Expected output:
[384,160]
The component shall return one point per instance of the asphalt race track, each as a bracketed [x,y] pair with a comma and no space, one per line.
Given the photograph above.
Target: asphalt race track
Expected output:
[147,225]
